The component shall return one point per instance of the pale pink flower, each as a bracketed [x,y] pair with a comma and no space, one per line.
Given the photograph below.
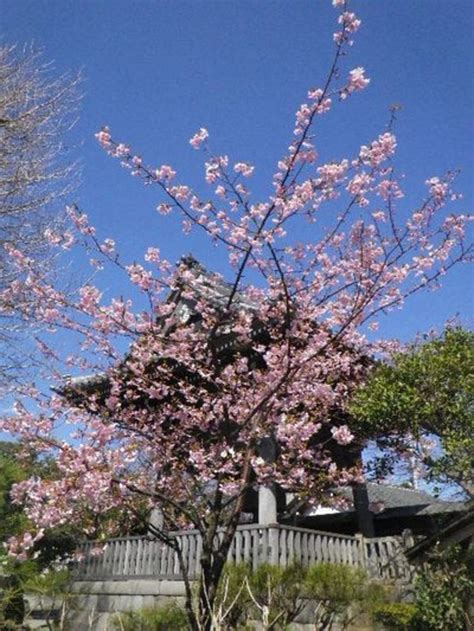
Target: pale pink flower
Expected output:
[103,136]
[165,172]
[357,80]
[152,255]
[244,168]
[350,22]
[342,435]
[164,209]
[108,246]
[198,138]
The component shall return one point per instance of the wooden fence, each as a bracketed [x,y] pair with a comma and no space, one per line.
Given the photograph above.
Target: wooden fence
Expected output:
[141,557]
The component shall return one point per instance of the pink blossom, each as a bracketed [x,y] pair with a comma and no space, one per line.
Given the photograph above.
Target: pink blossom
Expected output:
[350,22]
[438,189]
[108,246]
[342,435]
[104,137]
[357,81]
[153,255]
[164,209]
[245,169]
[165,172]
[198,138]
[379,150]
[140,276]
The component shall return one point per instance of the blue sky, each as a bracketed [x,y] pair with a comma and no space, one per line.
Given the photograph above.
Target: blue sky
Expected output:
[157,71]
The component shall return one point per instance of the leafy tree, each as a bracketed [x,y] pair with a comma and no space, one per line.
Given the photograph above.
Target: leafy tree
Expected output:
[13,520]
[224,387]
[429,388]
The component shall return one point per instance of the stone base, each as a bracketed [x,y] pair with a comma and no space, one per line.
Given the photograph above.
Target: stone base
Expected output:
[98,601]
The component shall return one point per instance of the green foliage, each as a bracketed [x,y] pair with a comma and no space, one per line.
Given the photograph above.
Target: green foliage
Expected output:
[50,589]
[12,604]
[271,593]
[49,583]
[233,599]
[276,595]
[396,616]
[279,591]
[442,593]
[167,618]
[12,519]
[341,591]
[429,388]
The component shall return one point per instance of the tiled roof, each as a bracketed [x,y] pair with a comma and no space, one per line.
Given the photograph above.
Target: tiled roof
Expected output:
[212,286]
[205,284]
[390,497]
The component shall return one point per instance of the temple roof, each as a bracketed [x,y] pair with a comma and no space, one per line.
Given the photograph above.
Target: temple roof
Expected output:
[203,284]
[393,499]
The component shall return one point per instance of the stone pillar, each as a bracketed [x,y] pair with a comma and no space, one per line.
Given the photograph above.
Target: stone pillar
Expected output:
[365,518]
[156,519]
[267,505]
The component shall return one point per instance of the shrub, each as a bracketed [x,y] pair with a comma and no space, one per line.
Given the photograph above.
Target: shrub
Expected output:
[12,604]
[396,616]
[442,592]
[341,591]
[276,593]
[233,601]
[166,618]
[271,594]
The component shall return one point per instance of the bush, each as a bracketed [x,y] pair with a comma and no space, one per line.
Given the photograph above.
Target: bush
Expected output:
[276,593]
[442,592]
[167,618]
[396,616]
[233,601]
[271,594]
[341,592]
[12,604]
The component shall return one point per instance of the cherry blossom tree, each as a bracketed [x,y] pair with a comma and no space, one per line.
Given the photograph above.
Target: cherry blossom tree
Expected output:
[186,387]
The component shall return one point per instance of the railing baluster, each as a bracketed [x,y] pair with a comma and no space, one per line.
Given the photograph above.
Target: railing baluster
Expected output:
[255,544]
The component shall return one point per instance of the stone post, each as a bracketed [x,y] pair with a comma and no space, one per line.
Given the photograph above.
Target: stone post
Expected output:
[267,505]
[365,518]
[156,519]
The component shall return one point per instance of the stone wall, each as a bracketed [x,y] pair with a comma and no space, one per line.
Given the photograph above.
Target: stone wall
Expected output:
[98,601]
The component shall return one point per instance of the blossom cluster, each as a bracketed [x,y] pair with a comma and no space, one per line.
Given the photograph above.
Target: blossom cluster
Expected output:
[213,388]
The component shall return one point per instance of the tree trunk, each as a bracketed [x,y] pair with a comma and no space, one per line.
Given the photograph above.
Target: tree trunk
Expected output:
[212,567]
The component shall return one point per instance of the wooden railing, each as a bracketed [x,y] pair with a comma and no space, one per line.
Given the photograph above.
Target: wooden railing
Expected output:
[141,557]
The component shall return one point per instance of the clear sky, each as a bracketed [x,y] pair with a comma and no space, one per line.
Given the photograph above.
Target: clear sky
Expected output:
[156,71]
